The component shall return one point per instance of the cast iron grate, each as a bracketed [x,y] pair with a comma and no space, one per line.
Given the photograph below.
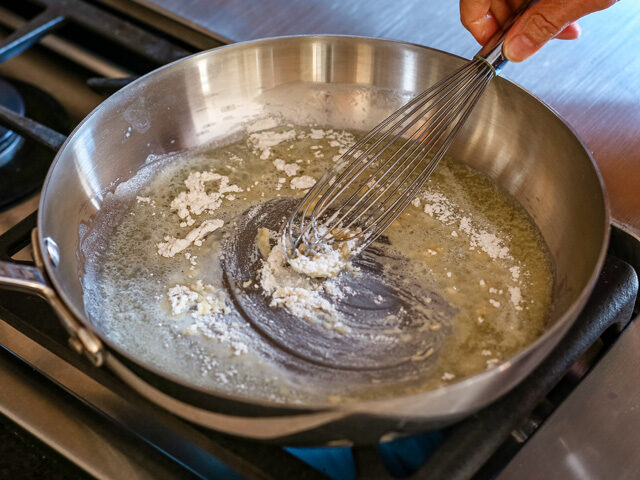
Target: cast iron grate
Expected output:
[25,172]
[54,14]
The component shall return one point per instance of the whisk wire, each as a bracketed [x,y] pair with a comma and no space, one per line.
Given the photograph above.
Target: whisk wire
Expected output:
[398,172]
[376,178]
[395,210]
[414,140]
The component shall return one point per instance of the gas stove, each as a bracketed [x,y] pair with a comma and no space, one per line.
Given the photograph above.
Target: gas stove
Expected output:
[60,59]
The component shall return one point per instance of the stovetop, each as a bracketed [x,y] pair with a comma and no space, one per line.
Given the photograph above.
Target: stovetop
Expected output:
[89,417]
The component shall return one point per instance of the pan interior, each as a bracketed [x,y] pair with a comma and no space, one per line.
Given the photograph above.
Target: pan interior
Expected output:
[338,82]
[460,283]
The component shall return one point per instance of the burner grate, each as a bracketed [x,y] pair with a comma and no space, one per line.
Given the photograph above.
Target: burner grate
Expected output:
[57,13]
[23,173]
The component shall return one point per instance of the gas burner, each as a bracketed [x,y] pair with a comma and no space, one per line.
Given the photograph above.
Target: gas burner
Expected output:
[9,141]
[23,162]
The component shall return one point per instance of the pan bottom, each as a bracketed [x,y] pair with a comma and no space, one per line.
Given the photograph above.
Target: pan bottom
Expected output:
[367,323]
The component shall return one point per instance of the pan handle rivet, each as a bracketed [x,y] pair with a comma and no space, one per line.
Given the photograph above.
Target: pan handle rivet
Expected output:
[52,250]
[76,345]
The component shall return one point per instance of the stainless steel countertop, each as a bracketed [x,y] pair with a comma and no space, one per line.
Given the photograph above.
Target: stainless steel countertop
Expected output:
[593,82]
[593,434]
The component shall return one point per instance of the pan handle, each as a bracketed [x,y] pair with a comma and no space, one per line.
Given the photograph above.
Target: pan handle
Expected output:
[24,278]
[32,279]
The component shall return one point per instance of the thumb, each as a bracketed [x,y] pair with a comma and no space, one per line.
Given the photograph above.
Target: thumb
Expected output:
[544,21]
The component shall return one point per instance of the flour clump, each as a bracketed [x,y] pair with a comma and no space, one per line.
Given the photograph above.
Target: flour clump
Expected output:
[300,295]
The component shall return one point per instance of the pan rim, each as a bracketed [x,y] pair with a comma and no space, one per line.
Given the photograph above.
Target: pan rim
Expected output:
[558,329]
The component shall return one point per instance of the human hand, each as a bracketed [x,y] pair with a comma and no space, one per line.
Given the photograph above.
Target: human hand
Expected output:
[543,21]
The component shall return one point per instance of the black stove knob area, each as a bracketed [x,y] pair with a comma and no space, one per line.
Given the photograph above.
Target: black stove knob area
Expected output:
[23,162]
[9,140]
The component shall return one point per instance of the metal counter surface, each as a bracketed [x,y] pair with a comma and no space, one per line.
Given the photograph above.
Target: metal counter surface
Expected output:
[593,82]
[594,433]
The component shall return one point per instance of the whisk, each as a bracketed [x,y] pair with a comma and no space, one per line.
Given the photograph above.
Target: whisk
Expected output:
[376,179]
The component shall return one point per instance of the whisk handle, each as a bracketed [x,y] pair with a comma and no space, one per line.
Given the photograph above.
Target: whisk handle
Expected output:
[492,50]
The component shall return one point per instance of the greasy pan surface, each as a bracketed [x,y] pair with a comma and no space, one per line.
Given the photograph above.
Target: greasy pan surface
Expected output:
[512,137]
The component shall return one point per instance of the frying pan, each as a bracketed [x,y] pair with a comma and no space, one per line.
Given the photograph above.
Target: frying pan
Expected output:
[512,137]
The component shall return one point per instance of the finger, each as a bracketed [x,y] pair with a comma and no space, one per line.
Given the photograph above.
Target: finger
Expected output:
[476,16]
[544,21]
[515,4]
[571,32]
[501,10]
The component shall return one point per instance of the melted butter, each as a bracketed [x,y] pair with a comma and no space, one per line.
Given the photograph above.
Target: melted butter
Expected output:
[488,326]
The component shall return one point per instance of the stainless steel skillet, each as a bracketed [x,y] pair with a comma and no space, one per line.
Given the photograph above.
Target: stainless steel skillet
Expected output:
[512,137]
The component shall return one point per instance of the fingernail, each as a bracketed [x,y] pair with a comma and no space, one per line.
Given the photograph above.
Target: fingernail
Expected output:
[519,48]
